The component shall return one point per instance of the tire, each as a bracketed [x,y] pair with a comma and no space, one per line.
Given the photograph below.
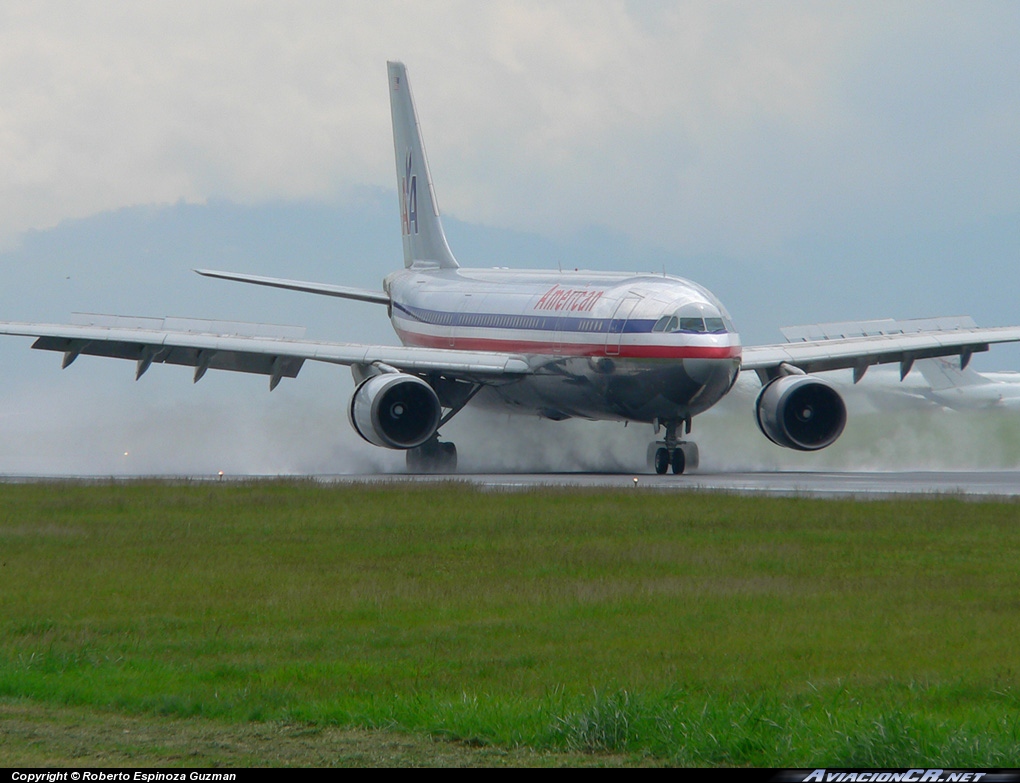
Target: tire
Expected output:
[424,458]
[661,461]
[447,462]
[679,461]
[414,460]
[432,457]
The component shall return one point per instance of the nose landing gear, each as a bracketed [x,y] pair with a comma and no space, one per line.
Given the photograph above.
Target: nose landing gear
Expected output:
[681,455]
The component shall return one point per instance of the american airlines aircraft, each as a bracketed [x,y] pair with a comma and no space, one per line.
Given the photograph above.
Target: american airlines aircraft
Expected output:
[941,384]
[594,345]
[957,389]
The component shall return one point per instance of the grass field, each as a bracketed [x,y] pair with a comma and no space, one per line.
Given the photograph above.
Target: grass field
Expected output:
[555,626]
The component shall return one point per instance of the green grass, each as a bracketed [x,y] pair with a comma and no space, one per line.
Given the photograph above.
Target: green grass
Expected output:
[679,627]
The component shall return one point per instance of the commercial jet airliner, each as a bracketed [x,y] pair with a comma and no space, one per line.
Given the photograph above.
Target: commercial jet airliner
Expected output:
[941,384]
[596,345]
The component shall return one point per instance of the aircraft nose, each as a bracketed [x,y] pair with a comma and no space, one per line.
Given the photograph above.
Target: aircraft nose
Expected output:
[709,372]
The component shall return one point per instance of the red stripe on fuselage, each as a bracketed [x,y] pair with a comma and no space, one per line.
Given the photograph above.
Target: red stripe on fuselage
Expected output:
[626,350]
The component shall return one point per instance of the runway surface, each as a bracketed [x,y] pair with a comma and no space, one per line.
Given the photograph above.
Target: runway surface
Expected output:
[855,484]
[972,484]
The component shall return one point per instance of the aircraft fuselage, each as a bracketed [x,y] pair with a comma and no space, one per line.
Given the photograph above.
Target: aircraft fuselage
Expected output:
[609,345]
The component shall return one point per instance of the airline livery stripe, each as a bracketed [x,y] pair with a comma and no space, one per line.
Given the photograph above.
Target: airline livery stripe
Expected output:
[539,323]
[626,351]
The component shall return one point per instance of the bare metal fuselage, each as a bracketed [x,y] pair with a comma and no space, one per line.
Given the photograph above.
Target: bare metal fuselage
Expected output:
[604,345]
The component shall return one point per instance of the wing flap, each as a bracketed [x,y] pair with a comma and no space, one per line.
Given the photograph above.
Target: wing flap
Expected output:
[154,351]
[191,325]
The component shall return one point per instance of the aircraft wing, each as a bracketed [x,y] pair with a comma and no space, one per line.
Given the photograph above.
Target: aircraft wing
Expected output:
[278,352]
[858,345]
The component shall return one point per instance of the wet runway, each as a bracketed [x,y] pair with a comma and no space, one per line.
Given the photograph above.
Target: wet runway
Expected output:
[854,484]
[971,484]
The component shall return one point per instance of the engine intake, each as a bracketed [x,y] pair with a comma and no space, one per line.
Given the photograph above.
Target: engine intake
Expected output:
[800,412]
[395,410]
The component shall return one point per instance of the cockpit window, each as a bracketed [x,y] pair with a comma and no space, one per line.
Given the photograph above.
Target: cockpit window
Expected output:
[694,318]
[715,325]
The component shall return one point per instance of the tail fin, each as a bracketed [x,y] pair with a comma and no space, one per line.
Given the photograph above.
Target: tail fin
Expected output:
[422,230]
[944,374]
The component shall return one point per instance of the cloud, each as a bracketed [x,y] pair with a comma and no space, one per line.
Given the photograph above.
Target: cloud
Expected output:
[694,125]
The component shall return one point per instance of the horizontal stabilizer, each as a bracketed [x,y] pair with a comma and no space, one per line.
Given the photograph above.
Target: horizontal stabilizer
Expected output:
[325,289]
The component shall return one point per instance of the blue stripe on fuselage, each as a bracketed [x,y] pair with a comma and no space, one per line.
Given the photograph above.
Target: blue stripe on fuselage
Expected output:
[540,323]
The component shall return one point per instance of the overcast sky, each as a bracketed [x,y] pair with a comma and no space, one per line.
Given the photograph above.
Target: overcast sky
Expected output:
[716,128]
[806,161]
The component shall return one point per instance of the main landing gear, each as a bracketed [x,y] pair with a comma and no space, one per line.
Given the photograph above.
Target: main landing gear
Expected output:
[432,457]
[681,455]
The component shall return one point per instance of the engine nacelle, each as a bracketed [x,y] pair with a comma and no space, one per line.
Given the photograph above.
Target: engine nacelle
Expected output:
[800,412]
[395,410]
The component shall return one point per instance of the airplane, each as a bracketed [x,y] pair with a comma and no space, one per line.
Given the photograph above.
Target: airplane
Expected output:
[943,385]
[967,389]
[617,346]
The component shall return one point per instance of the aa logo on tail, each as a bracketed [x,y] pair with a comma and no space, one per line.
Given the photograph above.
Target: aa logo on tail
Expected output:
[409,199]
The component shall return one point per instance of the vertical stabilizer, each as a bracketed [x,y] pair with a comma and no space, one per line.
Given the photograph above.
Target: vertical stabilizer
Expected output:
[945,374]
[420,226]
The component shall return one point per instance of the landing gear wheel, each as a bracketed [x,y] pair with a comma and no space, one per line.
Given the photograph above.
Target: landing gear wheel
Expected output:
[414,460]
[661,461]
[432,457]
[448,458]
[679,461]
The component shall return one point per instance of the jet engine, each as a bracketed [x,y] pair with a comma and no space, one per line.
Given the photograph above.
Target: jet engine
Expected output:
[395,410]
[800,412]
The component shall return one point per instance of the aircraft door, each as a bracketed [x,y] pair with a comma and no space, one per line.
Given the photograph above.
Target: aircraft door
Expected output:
[619,323]
[458,320]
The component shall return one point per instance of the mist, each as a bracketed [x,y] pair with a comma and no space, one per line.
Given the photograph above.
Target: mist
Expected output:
[167,427]
[173,428]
